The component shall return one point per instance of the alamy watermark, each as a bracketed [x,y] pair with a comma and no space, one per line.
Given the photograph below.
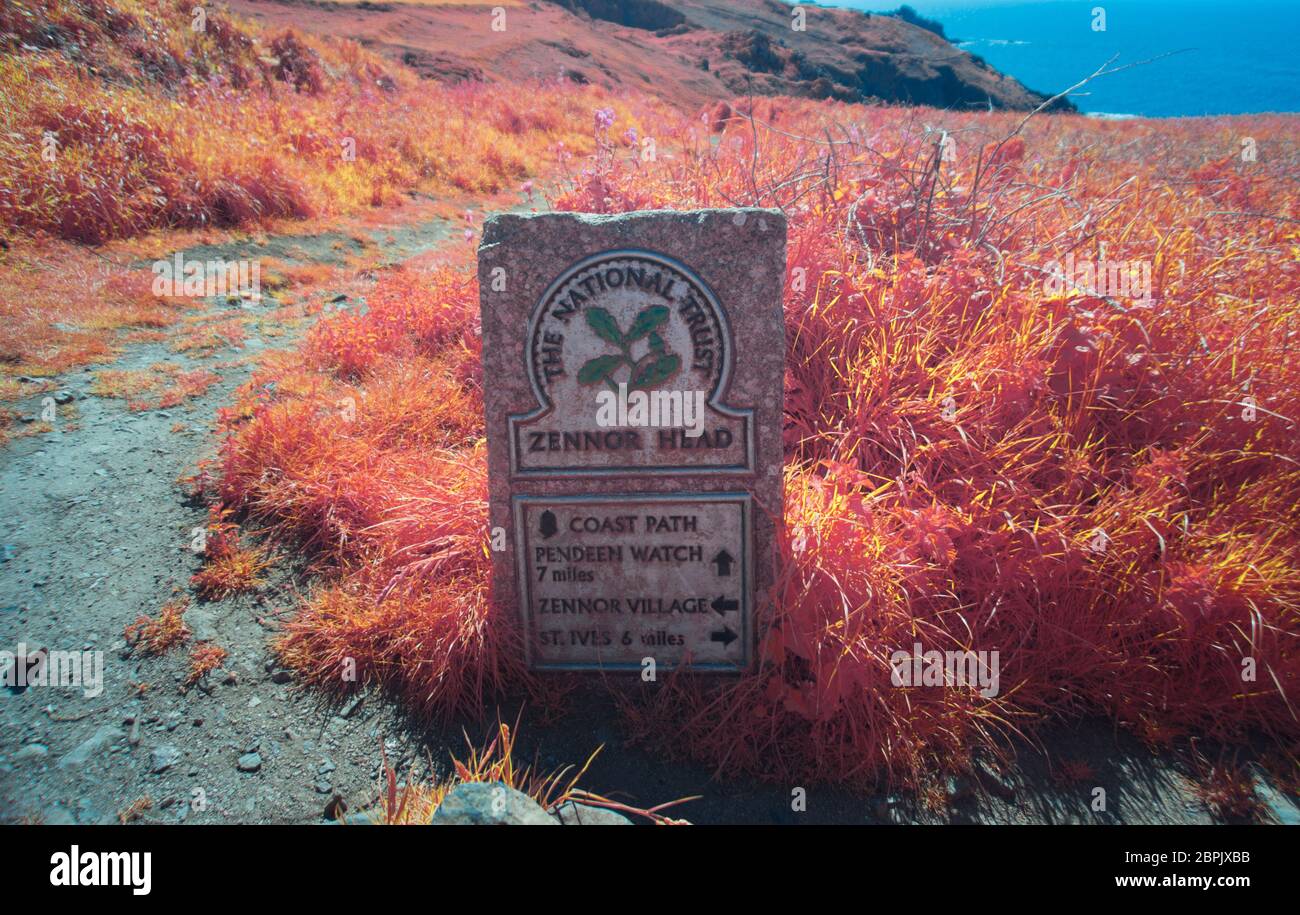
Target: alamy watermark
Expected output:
[190,278]
[1102,277]
[974,669]
[103,868]
[651,409]
[83,669]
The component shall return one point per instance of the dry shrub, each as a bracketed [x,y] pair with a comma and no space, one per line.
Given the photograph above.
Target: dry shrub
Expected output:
[1227,788]
[415,804]
[61,303]
[228,567]
[135,810]
[156,636]
[204,658]
[157,127]
[958,432]
[232,126]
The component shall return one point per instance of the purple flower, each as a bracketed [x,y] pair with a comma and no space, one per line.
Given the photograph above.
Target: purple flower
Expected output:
[604,118]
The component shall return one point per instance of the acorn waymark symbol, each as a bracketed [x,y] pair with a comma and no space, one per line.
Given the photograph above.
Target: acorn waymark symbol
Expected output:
[549,525]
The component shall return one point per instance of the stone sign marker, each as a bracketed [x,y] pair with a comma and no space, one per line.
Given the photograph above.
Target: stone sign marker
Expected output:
[633,368]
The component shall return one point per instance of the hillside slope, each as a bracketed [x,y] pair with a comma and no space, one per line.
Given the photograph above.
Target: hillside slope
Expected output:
[687,51]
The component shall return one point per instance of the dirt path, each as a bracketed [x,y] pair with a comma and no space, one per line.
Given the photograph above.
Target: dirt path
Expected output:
[95,531]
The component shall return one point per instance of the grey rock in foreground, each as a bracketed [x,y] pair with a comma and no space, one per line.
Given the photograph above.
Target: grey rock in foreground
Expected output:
[32,751]
[163,758]
[489,804]
[573,814]
[91,746]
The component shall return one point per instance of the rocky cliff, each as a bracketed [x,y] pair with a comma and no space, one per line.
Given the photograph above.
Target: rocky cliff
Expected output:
[688,51]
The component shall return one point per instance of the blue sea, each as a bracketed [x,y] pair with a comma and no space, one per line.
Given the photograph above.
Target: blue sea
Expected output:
[1235,56]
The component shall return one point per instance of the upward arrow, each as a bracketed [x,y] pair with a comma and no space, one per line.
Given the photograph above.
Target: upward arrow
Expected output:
[723,561]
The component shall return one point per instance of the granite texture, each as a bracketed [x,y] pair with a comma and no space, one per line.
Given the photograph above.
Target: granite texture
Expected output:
[734,257]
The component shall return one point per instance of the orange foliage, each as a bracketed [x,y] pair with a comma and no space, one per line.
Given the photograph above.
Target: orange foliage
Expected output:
[415,804]
[231,126]
[959,428]
[120,119]
[228,567]
[204,658]
[156,636]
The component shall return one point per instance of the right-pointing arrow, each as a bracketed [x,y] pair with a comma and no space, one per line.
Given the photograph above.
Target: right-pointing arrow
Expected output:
[726,636]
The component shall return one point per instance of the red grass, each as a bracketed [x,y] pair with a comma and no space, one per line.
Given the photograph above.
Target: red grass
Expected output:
[60,305]
[120,119]
[229,568]
[1072,413]
[956,434]
[156,636]
[415,804]
[204,658]
[231,126]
